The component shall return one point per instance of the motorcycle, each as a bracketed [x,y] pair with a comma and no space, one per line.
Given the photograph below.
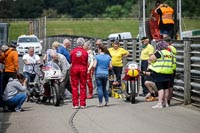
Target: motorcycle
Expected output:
[52,75]
[131,79]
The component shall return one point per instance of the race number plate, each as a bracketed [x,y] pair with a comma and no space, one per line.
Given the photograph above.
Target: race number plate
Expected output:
[132,66]
[52,74]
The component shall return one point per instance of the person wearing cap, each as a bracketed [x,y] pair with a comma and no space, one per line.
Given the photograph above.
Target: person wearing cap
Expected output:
[161,68]
[78,74]
[117,55]
[9,57]
[147,51]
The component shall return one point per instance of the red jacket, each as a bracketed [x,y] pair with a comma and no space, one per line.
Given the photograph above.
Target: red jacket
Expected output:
[79,57]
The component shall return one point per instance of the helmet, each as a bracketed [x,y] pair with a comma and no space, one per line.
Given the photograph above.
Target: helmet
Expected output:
[161,45]
[133,73]
[4,47]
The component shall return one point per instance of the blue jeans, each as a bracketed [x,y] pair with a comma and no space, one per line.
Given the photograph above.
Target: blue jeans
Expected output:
[101,81]
[17,100]
[29,76]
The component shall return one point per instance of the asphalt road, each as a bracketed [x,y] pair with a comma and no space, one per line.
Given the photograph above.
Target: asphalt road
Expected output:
[119,117]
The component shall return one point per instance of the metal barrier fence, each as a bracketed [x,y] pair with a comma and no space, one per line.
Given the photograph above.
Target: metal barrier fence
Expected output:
[187,80]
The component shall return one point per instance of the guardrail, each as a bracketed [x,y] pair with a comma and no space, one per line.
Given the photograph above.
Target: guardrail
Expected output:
[187,80]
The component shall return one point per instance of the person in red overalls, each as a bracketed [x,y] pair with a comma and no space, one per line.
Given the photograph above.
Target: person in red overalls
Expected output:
[153,23]
[79,62]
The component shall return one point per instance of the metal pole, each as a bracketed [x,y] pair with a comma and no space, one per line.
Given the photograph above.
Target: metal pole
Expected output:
[144,28]
[180,19]
[187,71]
[45,43]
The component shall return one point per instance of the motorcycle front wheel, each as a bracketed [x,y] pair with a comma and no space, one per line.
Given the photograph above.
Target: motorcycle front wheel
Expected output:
[132,94]
[55,94]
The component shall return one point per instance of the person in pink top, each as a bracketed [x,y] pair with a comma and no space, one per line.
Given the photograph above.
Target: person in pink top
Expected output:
[79,63]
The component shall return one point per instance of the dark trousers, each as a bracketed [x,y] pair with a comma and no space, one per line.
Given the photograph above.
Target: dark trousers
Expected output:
[144,65]
[117,71]
[1,90]
[65,84]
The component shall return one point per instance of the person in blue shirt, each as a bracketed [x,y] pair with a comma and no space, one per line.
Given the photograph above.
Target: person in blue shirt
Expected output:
[61,50]
[102,64]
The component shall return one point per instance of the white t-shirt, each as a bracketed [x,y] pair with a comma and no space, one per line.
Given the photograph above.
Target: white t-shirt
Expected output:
[30,59]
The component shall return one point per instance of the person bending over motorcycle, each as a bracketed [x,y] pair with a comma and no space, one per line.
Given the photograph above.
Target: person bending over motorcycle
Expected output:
[64,65]
[12,95]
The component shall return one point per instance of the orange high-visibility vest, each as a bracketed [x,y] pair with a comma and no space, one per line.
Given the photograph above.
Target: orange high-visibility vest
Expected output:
[167,15]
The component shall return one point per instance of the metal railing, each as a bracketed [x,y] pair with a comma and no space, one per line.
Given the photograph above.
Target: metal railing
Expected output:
[187,80]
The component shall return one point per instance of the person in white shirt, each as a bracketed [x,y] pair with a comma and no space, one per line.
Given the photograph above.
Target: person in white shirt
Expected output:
[28,59]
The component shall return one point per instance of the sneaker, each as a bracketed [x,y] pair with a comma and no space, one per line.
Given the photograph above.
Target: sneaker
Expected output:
[106,104]
[17,110]
[142,95]
[150,99]
[5,109]
[168,101]
[75,107]
[83,107]
[157,106]
[89,96]
[100,105]
[166,105]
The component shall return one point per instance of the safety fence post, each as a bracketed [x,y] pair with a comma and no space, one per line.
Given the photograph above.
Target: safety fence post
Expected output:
[134,50]
[187,70]
[126,48]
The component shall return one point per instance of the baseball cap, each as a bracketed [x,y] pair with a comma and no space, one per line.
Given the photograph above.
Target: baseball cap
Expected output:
[144,38]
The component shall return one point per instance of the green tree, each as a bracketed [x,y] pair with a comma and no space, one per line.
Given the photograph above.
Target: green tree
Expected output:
[27,8]
[50,13]
[6,8]
[114,11]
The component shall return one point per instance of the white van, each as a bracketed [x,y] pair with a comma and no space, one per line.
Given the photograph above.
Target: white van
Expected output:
[119,36]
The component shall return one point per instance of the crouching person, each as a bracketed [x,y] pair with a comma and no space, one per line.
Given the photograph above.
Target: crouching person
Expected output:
[14,94]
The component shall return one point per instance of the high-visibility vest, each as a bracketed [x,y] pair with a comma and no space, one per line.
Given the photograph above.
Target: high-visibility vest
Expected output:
[167,15]
[164,64]
[173,50]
